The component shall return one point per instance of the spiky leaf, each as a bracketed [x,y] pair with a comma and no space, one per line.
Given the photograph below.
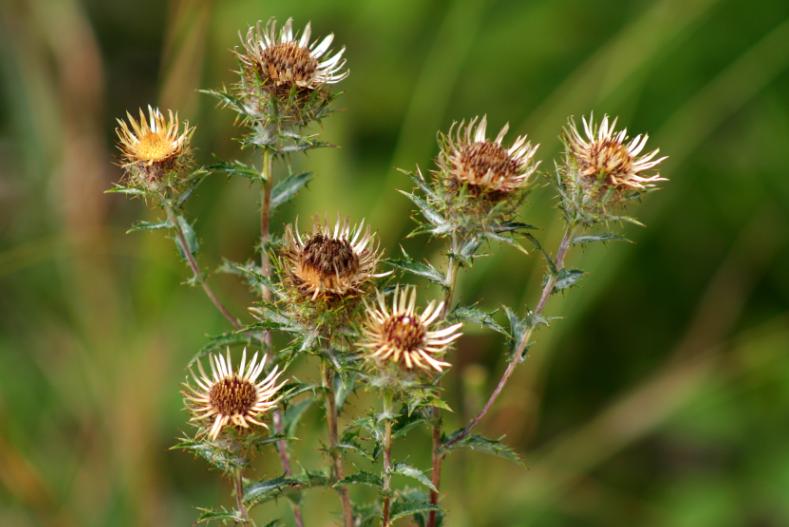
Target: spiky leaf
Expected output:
[483,444]
[414,473]
[478,316]
[566,278]
[286,189]
[149,226]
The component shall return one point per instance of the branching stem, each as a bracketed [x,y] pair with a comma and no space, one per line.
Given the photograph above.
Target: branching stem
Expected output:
[517,356]
[180,238]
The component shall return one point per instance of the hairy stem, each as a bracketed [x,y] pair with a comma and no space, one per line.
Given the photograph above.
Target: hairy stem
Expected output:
[550,282]
[338,472]
[436,456]
[267,183]
[387,469]
[180,239]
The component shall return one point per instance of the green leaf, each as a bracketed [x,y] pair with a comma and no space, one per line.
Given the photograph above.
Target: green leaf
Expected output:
[419,180]
[354,446]
[119,189]
[237,169]
[149,226]
[536,243]
[269,318]
[287,189]
[414,473]
[220,515]
[191,181]
[190,236]
[518,326]
[249,271]
[405,422]
[504,238]
[214,453]
[362,478]
[484,444]
[423,269]
[566,278]
[512,226]
[227,100]
[291,390]
[221,341]
[262,491]
[343,387]
[293,414]
[483,318]
[469,249]
[410,503]
[601,238]
[440,224]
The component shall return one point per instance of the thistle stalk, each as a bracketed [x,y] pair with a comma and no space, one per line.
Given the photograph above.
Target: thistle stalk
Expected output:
[517,356]
[387,468]
[338,472]
[183,244]
[436,455]
[238,490]
[267,182]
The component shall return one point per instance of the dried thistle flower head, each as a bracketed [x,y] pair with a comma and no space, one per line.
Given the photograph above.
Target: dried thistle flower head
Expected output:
[606,156]
[154,144]
[286,59]
[331,262]
[399,334]
[288,67]
[232,398]
[486,167]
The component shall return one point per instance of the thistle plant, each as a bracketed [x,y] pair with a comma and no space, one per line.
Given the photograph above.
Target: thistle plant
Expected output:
[324,298]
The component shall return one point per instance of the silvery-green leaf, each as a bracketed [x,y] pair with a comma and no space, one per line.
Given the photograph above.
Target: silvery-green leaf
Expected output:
[286,189]
[414,473]
[567,278]
[484,444]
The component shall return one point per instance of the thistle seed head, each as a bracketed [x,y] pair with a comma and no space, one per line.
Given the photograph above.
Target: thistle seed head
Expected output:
[330,263]
[467,158]
[608,158]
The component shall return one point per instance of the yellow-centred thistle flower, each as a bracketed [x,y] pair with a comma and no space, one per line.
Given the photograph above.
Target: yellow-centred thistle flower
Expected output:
[608,157]
[486,167]
[229,397]
[398,334]
[330,262]
[153,144]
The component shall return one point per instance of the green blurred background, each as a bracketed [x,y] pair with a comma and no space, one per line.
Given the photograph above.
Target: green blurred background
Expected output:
[661,398]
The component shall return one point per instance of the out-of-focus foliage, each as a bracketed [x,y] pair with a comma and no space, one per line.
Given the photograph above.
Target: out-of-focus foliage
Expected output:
[660,397]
